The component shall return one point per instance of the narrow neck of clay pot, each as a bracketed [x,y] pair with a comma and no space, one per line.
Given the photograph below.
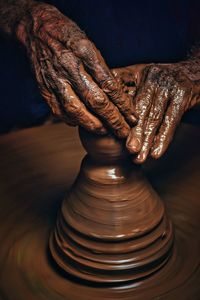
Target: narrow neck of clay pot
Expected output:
[103,148]
[107,161]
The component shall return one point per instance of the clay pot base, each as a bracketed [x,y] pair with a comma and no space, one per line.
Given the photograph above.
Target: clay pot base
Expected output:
[105,280]
[32,275]
[30,199]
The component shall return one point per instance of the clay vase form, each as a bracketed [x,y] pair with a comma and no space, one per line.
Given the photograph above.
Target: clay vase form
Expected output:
[112,227]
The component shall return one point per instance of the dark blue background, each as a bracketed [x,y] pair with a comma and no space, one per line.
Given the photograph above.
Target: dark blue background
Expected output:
[126,32]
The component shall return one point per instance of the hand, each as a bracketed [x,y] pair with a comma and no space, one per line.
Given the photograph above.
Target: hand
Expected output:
[71,73]
[164,93]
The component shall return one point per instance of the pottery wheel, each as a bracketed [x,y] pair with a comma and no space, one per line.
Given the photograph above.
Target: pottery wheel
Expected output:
[37,166]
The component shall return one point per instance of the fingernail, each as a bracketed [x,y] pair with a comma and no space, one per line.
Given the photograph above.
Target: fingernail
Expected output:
[133,144]
[102,130]
[123,133]
[156,152]
[140,158]
[133,119]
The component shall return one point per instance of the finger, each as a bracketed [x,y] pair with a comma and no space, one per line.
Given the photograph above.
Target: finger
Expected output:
[77,112]
[21,33]
[144,101]
[93,61]
[50,97]
[73,107]
[71,67]
[54,104]
[97,66]
[45,89]
[74,111]
[133,142]
[98,102]
[37,60]
[172,118]
[154,121]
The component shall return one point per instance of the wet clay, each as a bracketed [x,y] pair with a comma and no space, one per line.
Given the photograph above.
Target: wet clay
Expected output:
[112,227]
[37,168]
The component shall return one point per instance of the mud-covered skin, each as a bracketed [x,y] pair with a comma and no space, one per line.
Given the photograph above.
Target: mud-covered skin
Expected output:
[71,73]
[80,88]
[163,93]
[11,12]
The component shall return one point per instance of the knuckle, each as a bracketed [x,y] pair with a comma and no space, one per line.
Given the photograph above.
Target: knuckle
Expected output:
[56,112]
[92,126]
[113,88]
[154,73]
[98,102]
[116,73]
[180,101]
[157,114]
[41,30]
[154,69]
[73,109]
[69,62]
[84,46]
[110,85]
[152,117]
[93,98]
[166,78]
[151,126]
[45,93]
[65,56]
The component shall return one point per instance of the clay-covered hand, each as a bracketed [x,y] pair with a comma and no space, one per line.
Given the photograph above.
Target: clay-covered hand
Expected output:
[71,73]
[164,93]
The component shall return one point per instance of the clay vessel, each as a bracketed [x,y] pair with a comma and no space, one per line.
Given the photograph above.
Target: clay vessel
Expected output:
[112,227]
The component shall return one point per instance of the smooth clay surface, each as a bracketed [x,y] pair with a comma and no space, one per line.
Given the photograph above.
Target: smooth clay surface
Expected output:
[112,227]
[37,166]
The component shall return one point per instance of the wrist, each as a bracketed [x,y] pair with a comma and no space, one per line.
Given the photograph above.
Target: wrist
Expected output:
[191,69]
[191,66]
[11,14]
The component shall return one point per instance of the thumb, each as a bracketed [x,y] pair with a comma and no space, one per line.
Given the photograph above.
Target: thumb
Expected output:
[130,75]
[136,72]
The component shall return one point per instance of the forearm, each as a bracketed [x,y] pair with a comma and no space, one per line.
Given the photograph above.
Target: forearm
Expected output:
[193,71]
[11,12]
[191,66]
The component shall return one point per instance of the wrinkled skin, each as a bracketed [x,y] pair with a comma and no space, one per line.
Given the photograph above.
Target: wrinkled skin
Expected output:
[72,75]
[80,89]
[163,93]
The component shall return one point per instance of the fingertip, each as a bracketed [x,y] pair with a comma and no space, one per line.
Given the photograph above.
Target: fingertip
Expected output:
[133,143]
[157,152]
[123,132]
[95,130]
[132,119]
[137,162]
[141,157]
[93,125]
[102,130]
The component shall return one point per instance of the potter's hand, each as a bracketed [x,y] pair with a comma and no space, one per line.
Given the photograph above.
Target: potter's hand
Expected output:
[164,93]
[71,73]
